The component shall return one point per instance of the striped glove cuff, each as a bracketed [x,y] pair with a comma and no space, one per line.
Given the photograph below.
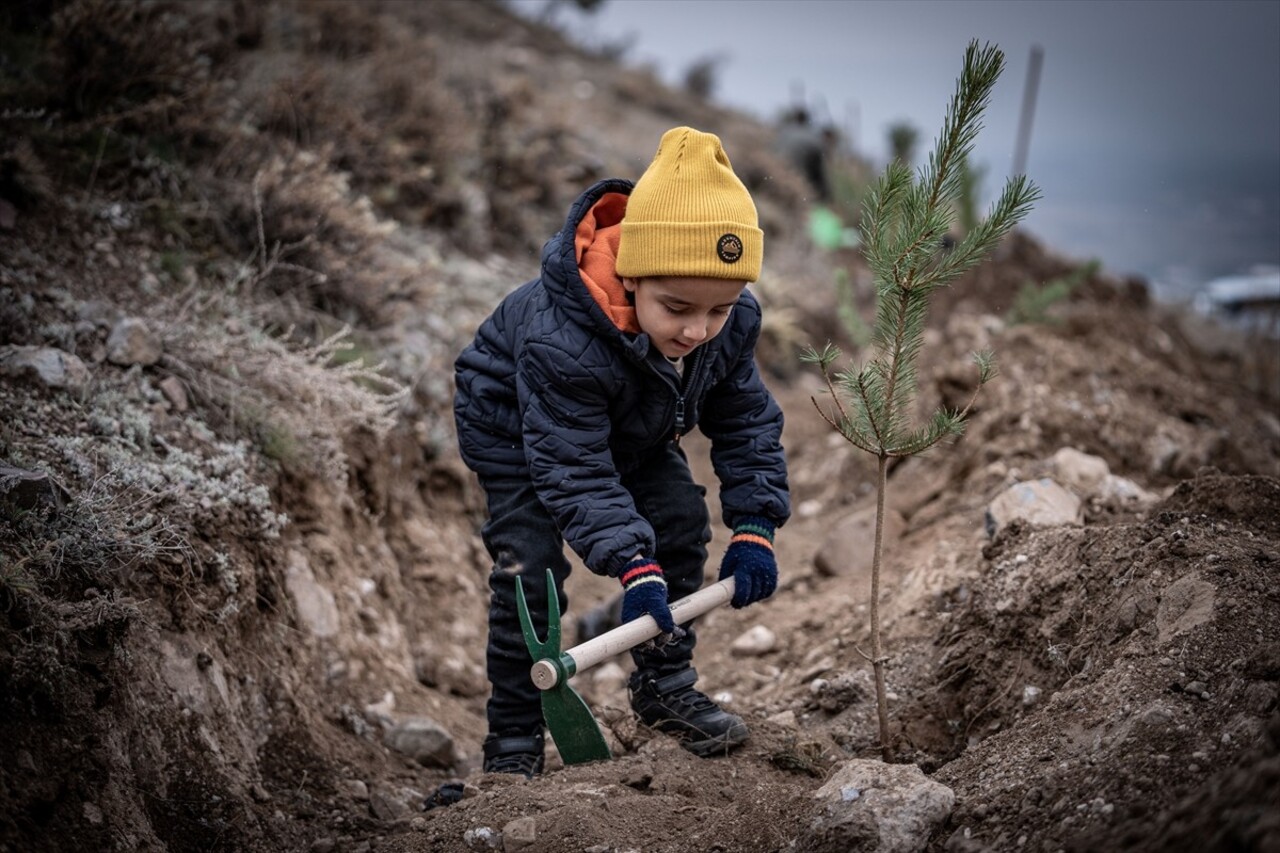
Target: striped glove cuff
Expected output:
[639,571]
[756,530]
[645,591]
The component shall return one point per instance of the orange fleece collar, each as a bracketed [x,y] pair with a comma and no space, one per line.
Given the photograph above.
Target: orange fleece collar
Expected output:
[596,244]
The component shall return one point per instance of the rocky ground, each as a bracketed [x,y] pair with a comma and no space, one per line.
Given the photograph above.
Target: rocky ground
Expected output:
[242,594]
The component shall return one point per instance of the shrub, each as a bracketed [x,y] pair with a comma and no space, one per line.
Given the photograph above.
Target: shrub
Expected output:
[1033,301]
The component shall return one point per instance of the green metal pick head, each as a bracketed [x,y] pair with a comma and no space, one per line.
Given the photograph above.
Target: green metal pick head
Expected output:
[537,648]
[567,716]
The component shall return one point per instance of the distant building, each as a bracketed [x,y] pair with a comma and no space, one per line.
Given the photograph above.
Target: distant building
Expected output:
[1250,301]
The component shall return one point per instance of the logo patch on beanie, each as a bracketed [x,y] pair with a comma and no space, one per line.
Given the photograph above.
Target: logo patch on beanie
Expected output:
[729,248]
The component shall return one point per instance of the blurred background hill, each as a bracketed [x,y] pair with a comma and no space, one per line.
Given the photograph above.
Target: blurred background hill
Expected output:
[1155,126]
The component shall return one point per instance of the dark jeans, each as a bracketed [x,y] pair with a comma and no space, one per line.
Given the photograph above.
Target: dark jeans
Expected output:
[523,540]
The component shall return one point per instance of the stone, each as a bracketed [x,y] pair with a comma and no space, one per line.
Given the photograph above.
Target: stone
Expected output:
[445,667]
[519,834]
[914,484]
[315,606]
[482,838]
[759,640]
[30,490]
[809,508]
[1038,503]
[1160,450]
[423,740]
[199,691]
[850,547]
[785,720]
[388,806]
[47,366]
[1081,472]
[1186,604]
[381,713]
[1122,490]
[175,392]
[869,805]
[840,691]
[1135,609]
[99,312]
[1261,698]
[132,342]
[1156,716]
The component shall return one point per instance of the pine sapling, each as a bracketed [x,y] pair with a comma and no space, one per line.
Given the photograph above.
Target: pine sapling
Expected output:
[903,228]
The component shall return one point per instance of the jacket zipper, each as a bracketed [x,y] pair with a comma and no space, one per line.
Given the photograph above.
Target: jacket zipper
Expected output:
[692,375]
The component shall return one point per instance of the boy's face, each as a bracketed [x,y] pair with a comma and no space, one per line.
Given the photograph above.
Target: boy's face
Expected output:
[681,313]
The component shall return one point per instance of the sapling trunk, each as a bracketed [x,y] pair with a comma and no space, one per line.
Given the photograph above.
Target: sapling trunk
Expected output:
[903,228]
[877,650]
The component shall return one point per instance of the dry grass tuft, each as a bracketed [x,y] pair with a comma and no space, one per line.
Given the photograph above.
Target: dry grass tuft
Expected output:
[299,403]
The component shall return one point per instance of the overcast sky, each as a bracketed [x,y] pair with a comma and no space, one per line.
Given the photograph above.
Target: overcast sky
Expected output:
[1166,111]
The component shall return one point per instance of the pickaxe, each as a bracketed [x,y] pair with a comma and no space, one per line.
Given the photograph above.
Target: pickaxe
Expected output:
[576,733]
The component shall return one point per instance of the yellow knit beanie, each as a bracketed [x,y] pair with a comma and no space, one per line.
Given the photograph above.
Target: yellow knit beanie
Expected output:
[689,215]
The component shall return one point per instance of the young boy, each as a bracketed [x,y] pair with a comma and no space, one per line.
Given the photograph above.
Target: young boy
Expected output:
[570,405]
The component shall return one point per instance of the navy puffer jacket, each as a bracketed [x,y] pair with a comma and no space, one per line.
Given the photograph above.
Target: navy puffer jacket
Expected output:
[553,391]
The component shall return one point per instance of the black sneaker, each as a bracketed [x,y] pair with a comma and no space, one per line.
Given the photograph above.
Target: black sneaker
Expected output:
[514,754]
[446,795]
[671,705]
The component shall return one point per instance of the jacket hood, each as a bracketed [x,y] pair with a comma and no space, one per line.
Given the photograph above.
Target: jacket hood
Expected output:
[596,247]
[577,266]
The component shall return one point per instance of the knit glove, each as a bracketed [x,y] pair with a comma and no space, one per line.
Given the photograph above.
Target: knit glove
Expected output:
[644,590]
[749,561]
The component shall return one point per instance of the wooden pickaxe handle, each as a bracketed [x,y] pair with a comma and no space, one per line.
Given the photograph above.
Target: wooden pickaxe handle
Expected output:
[546,673]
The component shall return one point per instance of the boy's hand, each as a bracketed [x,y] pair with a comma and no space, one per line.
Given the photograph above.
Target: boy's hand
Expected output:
[645,591]
[750,562]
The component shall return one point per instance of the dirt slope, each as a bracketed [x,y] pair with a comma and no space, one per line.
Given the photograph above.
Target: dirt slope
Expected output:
[259,560]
